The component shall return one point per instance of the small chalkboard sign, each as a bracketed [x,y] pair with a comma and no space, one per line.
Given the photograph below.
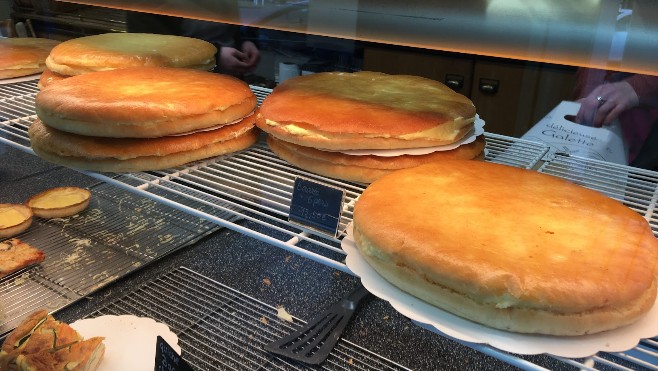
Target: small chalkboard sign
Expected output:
[166,358]
[316,205]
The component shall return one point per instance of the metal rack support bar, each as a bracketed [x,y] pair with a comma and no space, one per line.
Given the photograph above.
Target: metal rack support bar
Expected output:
[221,222]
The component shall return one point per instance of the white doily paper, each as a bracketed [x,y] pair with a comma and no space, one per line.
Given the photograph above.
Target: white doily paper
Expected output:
[129,340]
[478,129]
[440,321]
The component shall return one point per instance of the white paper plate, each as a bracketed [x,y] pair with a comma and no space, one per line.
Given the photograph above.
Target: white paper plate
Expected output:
[440,321]
[129,340]
[14,80]
[478,129]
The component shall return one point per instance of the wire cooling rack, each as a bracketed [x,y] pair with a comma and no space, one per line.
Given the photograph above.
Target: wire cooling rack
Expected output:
[221,328]
[636,188]
[118,233]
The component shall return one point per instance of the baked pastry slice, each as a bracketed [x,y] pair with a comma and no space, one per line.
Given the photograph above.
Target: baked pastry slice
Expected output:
[509,248]
[16,255]
[59,202]
[14,219]
[21,334]
[40,331]
[49,334]
[41,343]
[84,355]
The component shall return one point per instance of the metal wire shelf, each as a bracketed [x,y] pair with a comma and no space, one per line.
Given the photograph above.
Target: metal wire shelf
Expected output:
[117,234]
[636,188]
[513,152]
[256,185]
[221,328]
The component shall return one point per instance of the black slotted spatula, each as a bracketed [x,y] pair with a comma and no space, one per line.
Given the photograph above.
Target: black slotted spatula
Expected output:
[313,343]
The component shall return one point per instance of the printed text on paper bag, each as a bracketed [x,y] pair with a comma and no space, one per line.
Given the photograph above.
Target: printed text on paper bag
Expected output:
[558,131]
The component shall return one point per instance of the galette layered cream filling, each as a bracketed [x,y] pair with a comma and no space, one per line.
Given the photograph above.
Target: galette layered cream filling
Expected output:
[439,132]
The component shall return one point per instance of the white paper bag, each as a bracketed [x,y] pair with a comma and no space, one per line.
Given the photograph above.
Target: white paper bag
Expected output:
[564,136]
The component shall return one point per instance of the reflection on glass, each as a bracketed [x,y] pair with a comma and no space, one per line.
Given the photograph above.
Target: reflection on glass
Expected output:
[609,98]
[596,33]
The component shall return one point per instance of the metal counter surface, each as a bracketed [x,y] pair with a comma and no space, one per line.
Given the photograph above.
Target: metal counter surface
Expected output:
[266,273]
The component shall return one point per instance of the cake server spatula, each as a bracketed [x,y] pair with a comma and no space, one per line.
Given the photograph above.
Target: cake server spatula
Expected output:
[313,343]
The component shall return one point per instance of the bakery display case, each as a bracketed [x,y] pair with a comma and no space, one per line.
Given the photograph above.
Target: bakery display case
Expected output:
[209,247]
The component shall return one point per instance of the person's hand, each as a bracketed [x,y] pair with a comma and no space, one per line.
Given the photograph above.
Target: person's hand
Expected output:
[252,53]
[236,62]
[605,103]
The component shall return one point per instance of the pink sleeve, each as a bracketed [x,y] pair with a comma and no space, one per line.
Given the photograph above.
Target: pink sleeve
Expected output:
[644,85]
